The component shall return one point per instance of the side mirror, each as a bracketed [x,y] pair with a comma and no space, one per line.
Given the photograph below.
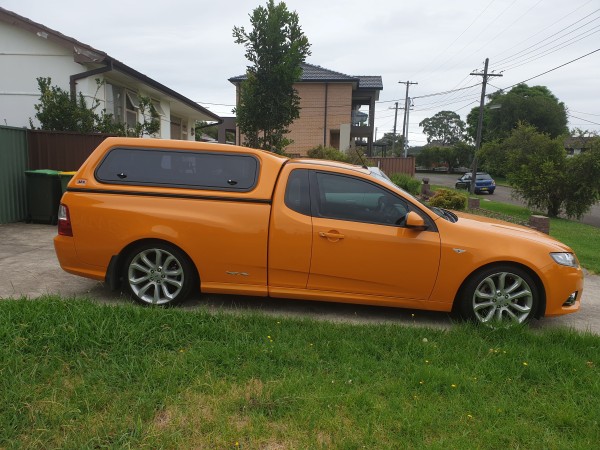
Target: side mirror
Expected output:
[415,221]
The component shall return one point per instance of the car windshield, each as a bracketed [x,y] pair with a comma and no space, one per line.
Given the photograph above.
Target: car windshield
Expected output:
[483,176]
[444,213]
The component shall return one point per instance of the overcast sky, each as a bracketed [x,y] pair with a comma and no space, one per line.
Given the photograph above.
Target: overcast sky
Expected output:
[188,46]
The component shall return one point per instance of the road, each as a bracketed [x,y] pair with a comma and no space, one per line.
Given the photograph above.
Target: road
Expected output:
[504,194]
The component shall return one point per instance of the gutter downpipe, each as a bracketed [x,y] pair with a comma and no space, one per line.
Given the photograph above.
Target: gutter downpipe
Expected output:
[325,116]
[78,76]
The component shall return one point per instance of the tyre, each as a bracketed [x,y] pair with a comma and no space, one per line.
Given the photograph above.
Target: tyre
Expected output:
[500,296]
[158,274]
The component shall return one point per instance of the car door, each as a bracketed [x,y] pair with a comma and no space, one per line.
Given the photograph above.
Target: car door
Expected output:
[360,244]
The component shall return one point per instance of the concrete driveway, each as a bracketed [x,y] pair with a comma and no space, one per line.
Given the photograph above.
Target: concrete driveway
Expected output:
[28,267]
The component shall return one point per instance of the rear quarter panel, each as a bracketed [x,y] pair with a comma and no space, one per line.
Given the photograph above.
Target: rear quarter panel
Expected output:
[221,231]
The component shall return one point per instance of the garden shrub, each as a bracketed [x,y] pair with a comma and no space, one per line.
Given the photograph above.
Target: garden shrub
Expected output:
[445,198]
[329,153]
[352,156]
[406,182]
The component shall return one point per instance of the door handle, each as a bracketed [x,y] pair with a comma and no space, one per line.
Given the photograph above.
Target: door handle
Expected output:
[331,235]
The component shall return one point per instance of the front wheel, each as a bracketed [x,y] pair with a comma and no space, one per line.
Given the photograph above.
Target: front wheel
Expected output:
[158,274]
[501,295]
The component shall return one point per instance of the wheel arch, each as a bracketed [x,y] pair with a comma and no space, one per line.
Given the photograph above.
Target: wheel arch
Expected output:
[538,284]
[114,273]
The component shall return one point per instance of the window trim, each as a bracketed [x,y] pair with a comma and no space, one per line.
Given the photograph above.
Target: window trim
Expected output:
[174,185]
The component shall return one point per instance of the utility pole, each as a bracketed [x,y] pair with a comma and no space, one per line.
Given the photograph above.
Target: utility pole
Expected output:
[405,138]
[485,76]
[394,136]
[406,103]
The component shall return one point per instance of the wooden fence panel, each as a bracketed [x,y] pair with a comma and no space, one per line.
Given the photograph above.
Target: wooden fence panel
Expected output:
[395,165]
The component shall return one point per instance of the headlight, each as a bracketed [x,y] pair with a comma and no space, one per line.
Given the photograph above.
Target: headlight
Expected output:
[565,259]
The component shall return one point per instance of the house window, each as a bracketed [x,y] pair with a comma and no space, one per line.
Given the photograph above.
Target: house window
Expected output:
[157,107]
[179,128]
[132,105]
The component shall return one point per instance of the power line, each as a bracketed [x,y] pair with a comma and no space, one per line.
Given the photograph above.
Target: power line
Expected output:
[544,29]
[472,40]
[507,28]
[556,37]
[459,36]
[446,92]
[585,114]
[554,49]
[585,120]
[215,104]
[553,69]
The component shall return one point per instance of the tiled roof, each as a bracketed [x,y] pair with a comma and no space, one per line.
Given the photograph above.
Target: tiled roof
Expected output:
[312,73]
[370,82]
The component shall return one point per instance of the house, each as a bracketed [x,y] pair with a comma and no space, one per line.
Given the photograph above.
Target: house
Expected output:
[574,145]
[336,110]
[29,50]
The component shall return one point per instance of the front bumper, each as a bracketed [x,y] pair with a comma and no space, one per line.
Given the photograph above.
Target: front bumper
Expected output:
[561,283]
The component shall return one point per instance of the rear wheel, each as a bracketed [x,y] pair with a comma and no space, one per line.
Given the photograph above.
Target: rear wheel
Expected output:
[158,274]
[501,295]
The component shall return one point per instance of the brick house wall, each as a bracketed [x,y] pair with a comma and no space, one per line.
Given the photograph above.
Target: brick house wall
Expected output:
[327,101]
[323,106]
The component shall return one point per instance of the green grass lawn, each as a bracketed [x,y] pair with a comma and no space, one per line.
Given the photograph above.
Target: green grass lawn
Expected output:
[75,374]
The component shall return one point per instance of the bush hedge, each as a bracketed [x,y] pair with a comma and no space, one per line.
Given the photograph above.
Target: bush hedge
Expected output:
[444,198]
[406,182]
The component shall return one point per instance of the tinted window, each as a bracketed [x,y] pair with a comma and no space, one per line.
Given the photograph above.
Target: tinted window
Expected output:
[297,192]
[348,198]
[483,177]
[195,170]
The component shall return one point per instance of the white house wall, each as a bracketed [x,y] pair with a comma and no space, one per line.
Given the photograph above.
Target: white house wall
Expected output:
[24,57]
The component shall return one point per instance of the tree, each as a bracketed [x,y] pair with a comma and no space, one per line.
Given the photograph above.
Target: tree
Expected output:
[493,158]
[463,154]
[534,105]
[444,127]
[268,102]
[388,140]
[57,110]
[460,154]
[543,175]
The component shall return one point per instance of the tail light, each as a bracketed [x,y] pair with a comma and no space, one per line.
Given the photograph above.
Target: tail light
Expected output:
[64,221]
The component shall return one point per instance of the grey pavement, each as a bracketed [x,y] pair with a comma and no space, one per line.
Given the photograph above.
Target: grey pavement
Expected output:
[29,268]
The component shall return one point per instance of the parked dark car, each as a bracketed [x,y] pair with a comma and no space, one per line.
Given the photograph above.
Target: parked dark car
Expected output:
[483,183]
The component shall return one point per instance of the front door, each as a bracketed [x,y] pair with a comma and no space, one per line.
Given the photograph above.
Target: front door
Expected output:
[360,244]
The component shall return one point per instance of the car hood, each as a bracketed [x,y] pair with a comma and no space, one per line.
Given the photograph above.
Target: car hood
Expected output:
[500,227]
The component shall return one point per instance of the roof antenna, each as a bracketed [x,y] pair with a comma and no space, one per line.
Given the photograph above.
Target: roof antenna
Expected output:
[360,156]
